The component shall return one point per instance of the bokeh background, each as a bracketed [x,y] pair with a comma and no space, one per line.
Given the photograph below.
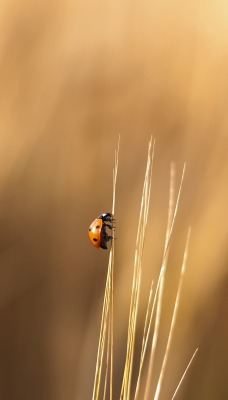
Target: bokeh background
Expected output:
[74,76]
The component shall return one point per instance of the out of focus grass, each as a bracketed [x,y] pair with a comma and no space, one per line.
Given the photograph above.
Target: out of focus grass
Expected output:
[72,77]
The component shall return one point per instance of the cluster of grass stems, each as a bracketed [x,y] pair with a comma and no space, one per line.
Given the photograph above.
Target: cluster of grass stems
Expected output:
[104,363]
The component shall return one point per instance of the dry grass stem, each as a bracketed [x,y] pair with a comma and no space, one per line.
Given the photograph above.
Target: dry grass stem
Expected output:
[101,344]
[164,363]
[115,170]
[155,300]
[107,309]
[185,371]
[107,359]
[172,211]
[143,217]
[146,332]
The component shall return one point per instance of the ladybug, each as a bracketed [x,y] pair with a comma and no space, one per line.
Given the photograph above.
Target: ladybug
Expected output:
[97,230]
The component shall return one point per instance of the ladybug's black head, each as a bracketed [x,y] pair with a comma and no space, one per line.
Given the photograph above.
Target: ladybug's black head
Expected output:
[106,216]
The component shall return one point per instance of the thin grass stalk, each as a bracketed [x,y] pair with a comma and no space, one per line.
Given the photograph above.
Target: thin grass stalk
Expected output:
[170,231]
[115,171]
[146,337]
[141,247]
[136,292]
[160,287]
[107,304]
[126,383]
[164,363]
[147,322]
[107,359]
[111,326]
[183,376]
[171,202]
[101,344]
[147,327]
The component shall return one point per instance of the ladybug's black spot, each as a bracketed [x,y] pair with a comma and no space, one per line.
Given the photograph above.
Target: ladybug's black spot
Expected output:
[98,226]
[95,240]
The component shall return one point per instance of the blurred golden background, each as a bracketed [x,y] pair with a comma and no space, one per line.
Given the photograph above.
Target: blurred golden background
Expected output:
[73,76]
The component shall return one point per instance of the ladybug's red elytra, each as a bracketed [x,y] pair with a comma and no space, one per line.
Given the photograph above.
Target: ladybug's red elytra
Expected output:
[97,230]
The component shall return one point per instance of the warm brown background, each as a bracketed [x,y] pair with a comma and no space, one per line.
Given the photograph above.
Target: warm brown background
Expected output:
[73,76]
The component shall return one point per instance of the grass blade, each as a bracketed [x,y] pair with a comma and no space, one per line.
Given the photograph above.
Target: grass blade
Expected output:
[107,308]
[143,217]
[158,389]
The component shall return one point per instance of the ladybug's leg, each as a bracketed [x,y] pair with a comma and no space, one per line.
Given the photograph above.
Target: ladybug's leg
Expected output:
[109,218]
[106,240]
[109,238]
[108,226]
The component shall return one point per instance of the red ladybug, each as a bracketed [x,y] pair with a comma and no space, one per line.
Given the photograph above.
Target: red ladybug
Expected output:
[97,230]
